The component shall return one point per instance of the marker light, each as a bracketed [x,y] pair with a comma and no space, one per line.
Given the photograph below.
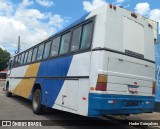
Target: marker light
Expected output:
[150,25]
[148,102]
[91,88]
[84,98]
[110,6]
[114,7]
[134,15]
[135,83]
[112,101]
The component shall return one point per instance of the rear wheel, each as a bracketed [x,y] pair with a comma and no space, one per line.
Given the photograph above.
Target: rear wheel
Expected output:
[36,102]
[8,94]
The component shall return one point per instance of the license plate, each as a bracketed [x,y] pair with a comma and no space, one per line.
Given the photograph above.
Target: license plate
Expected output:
[132,103]
[133,89]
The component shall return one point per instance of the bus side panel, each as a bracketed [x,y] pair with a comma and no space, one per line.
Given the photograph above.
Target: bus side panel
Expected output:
[50,83]
[23,79]
[83,97]
[73,96]
[74,90]
[13,82]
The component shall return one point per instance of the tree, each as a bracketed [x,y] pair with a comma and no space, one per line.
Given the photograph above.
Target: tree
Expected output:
[4,58]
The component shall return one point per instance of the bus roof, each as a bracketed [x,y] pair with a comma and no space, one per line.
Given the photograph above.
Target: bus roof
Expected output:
[72,25]
[84,17]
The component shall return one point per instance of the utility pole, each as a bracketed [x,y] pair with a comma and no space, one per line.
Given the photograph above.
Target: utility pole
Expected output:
[19,46]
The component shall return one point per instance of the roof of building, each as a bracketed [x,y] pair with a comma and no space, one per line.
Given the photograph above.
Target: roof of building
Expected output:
[4,71]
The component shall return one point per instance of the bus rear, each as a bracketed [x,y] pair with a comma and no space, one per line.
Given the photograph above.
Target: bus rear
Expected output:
[122,64]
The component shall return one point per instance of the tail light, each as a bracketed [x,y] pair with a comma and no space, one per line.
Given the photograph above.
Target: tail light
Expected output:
[101,83]
[154,87]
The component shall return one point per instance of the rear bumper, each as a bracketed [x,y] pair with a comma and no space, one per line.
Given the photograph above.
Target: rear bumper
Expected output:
[102,104]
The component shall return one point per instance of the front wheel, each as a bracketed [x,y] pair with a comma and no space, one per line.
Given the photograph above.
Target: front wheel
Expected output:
[36,102]
[8,94]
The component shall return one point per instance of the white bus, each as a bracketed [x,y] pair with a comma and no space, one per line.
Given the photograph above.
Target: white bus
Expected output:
[103,63]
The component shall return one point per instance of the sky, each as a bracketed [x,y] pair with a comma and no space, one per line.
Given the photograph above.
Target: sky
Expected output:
[36,20]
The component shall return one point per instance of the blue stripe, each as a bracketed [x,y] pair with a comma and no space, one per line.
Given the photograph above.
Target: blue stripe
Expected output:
[55,67]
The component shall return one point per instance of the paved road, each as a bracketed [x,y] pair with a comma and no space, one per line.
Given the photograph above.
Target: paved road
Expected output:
[17,108]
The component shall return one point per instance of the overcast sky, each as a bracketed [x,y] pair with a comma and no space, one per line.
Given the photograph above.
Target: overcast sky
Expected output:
[35,20]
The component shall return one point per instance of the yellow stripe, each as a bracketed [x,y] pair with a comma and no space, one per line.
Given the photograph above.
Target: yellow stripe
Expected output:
[25,86]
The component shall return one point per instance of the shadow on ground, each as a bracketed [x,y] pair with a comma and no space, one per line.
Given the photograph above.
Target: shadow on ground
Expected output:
[68,120]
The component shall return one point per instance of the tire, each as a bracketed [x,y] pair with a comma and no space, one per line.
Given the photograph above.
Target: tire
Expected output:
[36,102]
[8,94]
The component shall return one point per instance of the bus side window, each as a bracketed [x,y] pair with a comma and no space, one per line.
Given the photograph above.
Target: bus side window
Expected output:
[22,58]
[9,64]
[47,50]
[16,61]
[76,38]
[55,46]
[34,54]
[19,59]
[25,57]
[64,47]
[29,56]
[40,52]
[86,36]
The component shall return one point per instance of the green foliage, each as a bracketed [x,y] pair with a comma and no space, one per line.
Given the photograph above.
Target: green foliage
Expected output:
[4,58]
